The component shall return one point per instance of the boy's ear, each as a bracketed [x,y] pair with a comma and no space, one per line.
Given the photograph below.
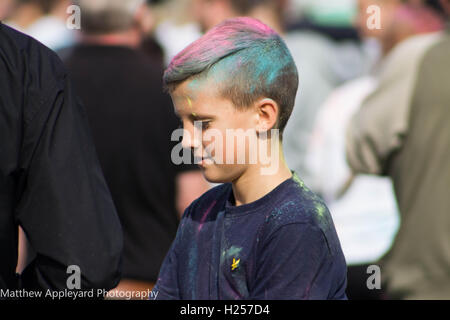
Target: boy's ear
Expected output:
[268,111]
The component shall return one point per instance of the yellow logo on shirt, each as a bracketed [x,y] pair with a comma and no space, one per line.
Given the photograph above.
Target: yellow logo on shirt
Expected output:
[235,264]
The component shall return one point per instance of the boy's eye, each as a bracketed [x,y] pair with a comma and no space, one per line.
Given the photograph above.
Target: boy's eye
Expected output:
[205,124]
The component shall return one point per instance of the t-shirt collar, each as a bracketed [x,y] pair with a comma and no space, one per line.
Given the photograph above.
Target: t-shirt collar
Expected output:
[263,203]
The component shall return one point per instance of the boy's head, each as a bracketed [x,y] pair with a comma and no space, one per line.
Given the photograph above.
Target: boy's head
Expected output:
[239,75]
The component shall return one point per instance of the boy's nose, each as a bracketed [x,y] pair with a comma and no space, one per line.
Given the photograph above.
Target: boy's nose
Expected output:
[191,139]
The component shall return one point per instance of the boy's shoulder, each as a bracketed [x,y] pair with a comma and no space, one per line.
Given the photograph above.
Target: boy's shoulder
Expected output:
[294,202]
[298,204]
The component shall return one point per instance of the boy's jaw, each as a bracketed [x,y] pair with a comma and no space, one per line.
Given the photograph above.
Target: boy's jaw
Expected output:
[221,171]
[224,173]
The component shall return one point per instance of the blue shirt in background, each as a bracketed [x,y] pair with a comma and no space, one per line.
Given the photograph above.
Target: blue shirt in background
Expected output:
[282,246]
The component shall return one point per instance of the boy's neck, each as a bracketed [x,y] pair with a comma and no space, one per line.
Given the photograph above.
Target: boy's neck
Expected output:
[252,185]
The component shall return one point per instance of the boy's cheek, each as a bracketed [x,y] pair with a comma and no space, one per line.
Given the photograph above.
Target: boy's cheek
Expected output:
[228,147]
[232,151]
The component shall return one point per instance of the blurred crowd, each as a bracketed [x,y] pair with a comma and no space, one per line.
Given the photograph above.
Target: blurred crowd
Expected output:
[369,132]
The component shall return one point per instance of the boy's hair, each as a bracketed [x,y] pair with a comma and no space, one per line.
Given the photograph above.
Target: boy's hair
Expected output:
[250,59]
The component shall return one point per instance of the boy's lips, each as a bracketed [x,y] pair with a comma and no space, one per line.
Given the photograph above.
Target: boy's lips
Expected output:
[205,161]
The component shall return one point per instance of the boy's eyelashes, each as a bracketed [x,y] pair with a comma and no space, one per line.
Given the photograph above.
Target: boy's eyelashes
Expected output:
[204,124]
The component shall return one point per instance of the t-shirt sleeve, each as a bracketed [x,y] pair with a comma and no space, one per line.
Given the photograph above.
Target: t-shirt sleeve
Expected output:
[295,263]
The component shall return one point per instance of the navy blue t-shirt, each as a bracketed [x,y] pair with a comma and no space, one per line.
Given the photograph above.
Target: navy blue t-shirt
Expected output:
[282,246]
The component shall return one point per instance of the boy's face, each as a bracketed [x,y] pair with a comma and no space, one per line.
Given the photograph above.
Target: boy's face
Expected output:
[208,119]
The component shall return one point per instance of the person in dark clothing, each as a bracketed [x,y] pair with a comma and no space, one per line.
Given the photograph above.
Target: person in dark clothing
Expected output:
[51,183]
[132,120]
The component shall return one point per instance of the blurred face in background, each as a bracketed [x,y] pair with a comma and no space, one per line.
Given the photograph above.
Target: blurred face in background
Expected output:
[6,7]
[387,13]
[208,13]
[145,19]
[399,21]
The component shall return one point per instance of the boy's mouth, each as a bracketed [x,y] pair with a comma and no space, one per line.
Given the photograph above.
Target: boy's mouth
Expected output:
[203,161]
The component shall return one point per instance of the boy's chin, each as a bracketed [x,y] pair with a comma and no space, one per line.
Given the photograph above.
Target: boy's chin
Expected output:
[214,174]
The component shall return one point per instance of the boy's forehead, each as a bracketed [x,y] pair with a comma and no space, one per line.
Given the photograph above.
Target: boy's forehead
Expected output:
[188,90]
[187,98]
[199,98]
[194,94]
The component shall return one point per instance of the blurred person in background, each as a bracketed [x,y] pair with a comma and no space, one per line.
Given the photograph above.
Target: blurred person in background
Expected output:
[44,20]
[6,7]
[401,130]
[51,183]
[323,64]
[175,27]
[150,45]
[363,206]
[132,121]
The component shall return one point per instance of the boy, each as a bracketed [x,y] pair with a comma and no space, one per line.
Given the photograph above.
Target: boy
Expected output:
[262,234]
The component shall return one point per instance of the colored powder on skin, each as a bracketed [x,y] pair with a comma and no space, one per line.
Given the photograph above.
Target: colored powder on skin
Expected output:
[189,102]
[194,86]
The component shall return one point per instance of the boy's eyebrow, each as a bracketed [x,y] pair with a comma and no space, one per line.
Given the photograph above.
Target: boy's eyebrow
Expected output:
[193,116]
[196,116]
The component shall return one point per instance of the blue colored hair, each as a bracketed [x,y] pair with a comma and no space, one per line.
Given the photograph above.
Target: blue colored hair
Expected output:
[251,60]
